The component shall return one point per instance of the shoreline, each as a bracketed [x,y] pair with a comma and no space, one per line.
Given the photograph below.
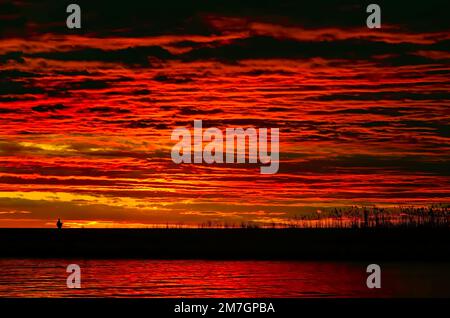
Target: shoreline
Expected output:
[396,244]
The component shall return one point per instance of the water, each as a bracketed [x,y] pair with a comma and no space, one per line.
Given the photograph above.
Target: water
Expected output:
[202,278]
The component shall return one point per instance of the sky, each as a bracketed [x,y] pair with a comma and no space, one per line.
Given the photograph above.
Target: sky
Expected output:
[86,114]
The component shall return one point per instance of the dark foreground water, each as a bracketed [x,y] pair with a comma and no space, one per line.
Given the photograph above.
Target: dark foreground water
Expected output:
[201,278]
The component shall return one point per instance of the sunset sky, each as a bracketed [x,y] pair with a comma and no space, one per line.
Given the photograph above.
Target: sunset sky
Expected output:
[86,115]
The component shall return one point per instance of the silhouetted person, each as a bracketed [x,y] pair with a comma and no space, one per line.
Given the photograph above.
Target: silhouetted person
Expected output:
[59,224]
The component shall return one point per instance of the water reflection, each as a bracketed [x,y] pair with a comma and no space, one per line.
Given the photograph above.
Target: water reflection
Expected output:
[201,278]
